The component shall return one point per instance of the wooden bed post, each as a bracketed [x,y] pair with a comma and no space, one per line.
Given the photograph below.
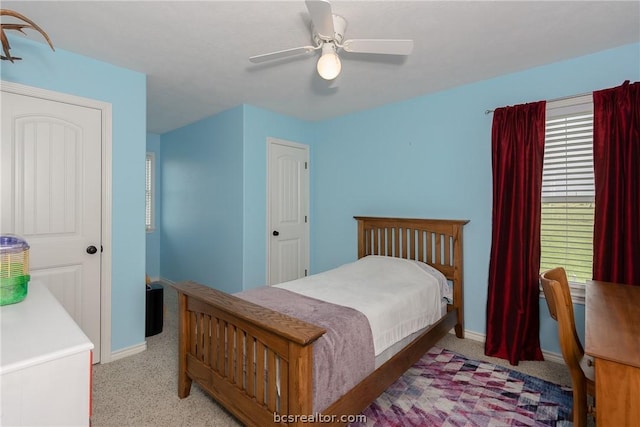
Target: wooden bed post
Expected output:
[361,240]
[300,373]
[458,291]
[184,382]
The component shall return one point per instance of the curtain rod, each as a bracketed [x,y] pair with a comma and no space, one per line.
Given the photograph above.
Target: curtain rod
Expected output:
[553,100]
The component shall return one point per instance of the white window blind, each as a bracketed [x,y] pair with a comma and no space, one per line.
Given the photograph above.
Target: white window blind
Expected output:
[568,189]
[149,178]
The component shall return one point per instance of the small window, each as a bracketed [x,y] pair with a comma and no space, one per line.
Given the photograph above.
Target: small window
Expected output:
[568,189]
[149,190]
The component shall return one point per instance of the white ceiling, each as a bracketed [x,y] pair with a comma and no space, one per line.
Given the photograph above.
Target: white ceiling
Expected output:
[195,53]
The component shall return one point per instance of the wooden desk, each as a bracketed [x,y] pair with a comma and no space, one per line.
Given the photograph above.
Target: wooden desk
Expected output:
[612,325]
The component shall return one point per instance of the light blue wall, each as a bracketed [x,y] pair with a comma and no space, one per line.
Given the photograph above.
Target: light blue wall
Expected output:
[202,202]
[153,237]
[67,72]
[424,157]
[214,197]
[431,157]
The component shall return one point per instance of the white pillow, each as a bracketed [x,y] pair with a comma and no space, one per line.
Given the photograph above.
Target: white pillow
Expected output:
[445,289]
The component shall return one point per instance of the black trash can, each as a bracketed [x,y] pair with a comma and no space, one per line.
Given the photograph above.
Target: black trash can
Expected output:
[155,307]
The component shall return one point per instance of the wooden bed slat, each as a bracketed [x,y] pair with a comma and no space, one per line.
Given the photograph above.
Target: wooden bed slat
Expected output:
[257,362]
[284,391]
[251,367]
[240,358]
[192,333]
[214,343]
[206,338]
[438,259]
[413,241]
[271,381]
[260,373]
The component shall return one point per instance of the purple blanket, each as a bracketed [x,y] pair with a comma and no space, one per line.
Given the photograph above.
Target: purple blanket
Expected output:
[342,357]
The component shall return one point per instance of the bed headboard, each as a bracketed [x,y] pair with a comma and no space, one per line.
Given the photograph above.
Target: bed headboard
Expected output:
[437,242]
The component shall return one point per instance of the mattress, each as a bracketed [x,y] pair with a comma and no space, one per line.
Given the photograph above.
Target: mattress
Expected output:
[398,346]
[399,297]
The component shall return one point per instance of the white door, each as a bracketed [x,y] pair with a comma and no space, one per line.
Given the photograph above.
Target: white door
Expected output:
[51,195]
[288,211]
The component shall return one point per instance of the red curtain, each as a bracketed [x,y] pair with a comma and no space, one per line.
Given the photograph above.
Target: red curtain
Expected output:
[513,317]
[616,156]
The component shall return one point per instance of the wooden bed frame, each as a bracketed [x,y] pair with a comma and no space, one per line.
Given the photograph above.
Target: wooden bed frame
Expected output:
[221,334]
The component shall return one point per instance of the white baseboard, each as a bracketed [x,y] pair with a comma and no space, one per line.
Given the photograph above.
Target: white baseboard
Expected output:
[474,336]
[138,348]
[553,357]
[129,351]
[548,355]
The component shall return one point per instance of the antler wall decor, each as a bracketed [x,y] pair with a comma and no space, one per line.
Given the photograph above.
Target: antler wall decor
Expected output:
[18,27]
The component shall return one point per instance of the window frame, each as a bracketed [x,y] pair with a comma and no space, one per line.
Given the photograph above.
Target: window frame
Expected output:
[150,174]
[562,107]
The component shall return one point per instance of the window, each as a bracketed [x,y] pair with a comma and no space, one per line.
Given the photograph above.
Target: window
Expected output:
[568,191]
[149,187]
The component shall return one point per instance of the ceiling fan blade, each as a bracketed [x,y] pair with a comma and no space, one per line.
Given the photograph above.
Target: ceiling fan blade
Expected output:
[380,46]
[322,18]
[281,54]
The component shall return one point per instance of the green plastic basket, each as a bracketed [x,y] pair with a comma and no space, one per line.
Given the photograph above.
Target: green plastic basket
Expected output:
[14,269]
[13,289]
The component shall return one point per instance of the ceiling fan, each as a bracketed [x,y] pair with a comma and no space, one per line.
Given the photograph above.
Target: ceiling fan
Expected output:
[328,34]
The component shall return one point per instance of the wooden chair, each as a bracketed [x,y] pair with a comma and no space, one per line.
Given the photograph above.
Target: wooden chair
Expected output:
[556,290]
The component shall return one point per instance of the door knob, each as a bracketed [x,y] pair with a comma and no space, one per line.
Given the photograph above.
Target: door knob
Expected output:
[276,233]
[91,250]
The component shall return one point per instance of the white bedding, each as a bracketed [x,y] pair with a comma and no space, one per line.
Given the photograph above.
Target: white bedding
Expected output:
[397,296]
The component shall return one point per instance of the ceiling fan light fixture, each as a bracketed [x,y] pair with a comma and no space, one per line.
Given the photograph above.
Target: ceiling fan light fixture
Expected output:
[327,33]
[329,65]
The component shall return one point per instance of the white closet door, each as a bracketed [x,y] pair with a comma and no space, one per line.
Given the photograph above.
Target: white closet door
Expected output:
[51,196]
[288,211]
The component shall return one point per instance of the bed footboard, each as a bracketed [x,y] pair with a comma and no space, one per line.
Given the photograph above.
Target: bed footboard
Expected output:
[254,361]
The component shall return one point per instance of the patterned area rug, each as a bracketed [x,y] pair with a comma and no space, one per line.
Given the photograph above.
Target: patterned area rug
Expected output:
[446,389]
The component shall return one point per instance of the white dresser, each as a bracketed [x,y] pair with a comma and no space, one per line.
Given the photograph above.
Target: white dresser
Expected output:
[45,364]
